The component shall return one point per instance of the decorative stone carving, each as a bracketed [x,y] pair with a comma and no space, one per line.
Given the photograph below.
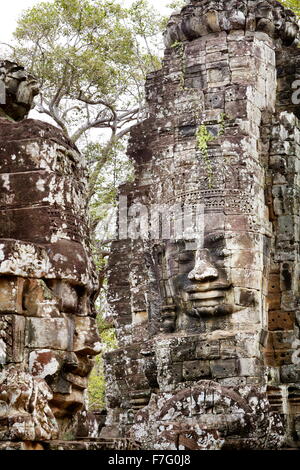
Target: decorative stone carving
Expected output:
[224,419]
[48,282]
[25,410]
[20,89]
[214,314]
[199,18]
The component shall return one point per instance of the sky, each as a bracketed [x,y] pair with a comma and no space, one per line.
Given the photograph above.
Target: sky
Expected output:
[13,8]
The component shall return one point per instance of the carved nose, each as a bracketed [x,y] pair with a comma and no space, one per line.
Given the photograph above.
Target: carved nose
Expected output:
[203,271]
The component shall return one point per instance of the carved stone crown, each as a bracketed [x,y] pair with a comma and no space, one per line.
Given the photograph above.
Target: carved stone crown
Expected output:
[232,200]
[201,17]
[20,89]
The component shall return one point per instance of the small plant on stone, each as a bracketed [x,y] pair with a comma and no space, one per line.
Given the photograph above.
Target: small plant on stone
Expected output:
[203,137]
[178,46]
[222,124]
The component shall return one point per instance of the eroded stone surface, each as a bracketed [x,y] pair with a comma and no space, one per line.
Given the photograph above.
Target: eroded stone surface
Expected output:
[48,282]
[20,89]
[208,329]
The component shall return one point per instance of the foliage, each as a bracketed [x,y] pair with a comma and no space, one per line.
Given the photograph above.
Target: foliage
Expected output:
[109,167]
[176,4]
[91,58]
[96,387]
[203,137]
[293,5]
[173,5]
[179,47]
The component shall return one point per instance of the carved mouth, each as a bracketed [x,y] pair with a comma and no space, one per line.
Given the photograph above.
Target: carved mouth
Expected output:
[194,288]
[206,295]
[77,381]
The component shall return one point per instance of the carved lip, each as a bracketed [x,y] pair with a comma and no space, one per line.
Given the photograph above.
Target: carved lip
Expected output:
[195,288]
[79,382]
[207,295]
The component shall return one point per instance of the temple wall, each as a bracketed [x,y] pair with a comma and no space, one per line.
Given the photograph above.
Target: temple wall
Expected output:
[48,283]
[199,324]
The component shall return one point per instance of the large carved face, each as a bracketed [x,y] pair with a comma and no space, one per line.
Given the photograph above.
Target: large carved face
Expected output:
[61,337]
[198,277]
[48,282]
[20,89]
[217,275]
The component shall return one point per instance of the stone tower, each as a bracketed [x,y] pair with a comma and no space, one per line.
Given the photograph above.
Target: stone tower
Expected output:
[47,279]
[208,325]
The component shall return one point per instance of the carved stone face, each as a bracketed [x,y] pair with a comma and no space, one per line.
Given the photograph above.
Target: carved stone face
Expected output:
[218,276]
[67,342]
[20,89]
[47,280]
[61,338]
[199,276]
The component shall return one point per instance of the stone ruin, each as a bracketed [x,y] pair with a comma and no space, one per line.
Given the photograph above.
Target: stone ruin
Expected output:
[48,282]
[207,322]
[208,326]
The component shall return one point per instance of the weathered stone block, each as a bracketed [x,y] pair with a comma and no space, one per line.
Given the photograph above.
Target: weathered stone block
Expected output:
[41,332]
[274,301]
[194,370]
[207,350]
[44,362]
[216,44]
[246,277]
[290,373]
[228,349]
[67,296]
[246,259]
[245,297]
[11,292]
[274,284]
[86,339]
[183,352]
[250,367]
[224,368]
[279,320]
[214,100]
[218,76]
[288,301]
[177,372]
[236,109]
[39,300]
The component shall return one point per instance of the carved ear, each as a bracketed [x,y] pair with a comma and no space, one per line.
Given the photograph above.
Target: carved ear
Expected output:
[290,33]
